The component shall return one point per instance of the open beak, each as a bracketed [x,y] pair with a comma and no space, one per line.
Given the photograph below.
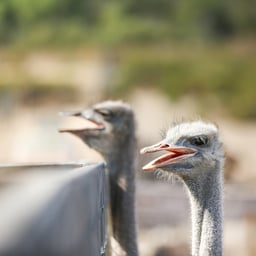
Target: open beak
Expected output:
[85,115]
[175,154]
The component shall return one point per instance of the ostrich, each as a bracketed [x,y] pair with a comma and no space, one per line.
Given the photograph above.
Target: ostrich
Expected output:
[114,138]
[195,155]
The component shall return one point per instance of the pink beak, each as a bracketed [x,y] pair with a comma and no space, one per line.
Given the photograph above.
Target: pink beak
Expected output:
[175,154]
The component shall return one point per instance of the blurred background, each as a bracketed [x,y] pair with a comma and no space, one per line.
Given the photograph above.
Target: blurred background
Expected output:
[170,60]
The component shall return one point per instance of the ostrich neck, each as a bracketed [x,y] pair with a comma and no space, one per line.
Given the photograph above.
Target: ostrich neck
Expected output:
[206,209]
[121,167]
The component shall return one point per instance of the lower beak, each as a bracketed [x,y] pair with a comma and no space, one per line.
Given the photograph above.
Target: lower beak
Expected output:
[74,131]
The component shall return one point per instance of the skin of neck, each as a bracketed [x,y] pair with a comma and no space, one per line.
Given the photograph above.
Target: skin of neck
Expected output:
[206,199]
[122,196]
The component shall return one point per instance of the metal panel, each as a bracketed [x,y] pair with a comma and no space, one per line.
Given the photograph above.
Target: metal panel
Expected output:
[53,210]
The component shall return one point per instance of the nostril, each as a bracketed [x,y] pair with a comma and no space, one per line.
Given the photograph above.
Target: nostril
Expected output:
[164,146]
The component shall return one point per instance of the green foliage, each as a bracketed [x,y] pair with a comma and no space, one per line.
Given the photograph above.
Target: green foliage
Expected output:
[20,19]
[116,28]
[122,21]
[202,73]
[155,27]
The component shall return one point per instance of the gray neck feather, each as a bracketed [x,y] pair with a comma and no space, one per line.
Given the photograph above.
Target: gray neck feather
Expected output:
[205,193]
[121,167]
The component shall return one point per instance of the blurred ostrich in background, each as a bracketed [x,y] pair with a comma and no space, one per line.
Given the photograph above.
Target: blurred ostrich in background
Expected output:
[114,138]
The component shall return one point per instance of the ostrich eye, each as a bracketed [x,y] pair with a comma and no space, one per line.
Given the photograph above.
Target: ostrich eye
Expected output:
[199,140]
[106,113]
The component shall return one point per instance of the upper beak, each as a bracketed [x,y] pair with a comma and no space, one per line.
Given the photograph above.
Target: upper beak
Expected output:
[174,155]
[154,148]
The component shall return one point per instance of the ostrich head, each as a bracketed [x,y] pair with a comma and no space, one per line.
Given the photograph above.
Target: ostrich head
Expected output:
[114,124]
[193,148]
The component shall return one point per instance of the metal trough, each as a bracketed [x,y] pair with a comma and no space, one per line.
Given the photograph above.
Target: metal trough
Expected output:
[53,209]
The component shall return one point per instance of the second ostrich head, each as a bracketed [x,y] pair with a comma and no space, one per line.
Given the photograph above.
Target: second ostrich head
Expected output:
[114,124]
